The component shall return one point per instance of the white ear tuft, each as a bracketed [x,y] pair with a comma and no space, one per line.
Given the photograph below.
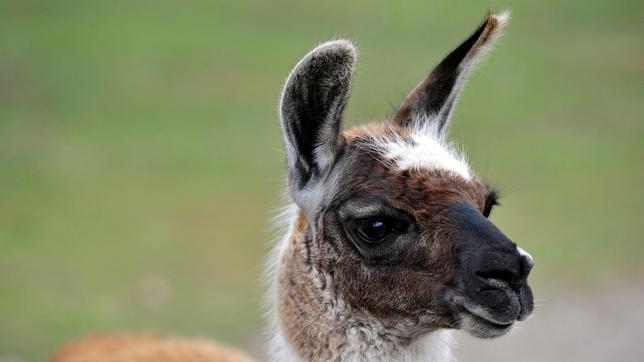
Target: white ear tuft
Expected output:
[502,18]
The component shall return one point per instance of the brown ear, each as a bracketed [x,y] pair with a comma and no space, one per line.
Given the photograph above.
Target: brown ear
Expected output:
[434,98]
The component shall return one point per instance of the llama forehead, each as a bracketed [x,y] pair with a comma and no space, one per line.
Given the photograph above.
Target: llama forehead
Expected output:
[373,164]
[419,147]
[423,151]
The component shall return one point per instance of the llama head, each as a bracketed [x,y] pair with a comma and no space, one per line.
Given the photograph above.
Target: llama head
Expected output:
[393,222]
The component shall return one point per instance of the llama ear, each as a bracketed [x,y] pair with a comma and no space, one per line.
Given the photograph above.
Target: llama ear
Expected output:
[311,110]
[434,98]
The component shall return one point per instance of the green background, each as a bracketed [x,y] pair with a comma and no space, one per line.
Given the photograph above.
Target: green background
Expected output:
[140,152]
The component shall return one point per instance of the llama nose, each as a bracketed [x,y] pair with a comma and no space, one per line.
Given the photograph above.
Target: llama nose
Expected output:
[501,269]
[485,254]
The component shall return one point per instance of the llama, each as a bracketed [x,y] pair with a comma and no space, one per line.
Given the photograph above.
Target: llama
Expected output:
[388,247]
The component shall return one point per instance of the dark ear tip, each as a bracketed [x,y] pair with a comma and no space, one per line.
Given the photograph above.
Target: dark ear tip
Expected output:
[341,47]
[337,52]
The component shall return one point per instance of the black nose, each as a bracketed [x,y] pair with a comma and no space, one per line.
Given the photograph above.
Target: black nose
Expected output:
[492,272]
[503,268]
[484,253]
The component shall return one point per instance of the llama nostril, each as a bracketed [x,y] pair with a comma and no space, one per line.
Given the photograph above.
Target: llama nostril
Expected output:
[498,278]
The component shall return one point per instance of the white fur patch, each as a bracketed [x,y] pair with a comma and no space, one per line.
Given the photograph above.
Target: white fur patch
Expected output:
[525,254]
[426,149]
[503,17]
[436,346]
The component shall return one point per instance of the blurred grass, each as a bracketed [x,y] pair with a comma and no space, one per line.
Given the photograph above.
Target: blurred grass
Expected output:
[140,151]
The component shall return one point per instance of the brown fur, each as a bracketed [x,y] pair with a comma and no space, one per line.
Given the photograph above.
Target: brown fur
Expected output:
[125,347]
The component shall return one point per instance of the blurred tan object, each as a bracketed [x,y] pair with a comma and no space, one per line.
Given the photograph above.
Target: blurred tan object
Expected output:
[126,347]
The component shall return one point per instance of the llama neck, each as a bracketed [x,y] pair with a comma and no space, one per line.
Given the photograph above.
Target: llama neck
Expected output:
[312,322]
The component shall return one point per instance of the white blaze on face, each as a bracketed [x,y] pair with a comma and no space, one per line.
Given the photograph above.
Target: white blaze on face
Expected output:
[424,152]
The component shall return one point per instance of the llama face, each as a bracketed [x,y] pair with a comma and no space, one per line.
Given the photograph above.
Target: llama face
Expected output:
[394,222]
[415,243]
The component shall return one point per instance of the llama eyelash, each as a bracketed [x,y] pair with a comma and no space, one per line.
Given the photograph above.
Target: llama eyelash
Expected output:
[491,200]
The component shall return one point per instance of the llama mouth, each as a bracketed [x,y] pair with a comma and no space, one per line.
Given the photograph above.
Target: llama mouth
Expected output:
[490,315]
[482,327]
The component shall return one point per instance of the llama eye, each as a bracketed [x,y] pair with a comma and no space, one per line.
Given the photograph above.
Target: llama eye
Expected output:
[373,226]
[374,230]
[377,230]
